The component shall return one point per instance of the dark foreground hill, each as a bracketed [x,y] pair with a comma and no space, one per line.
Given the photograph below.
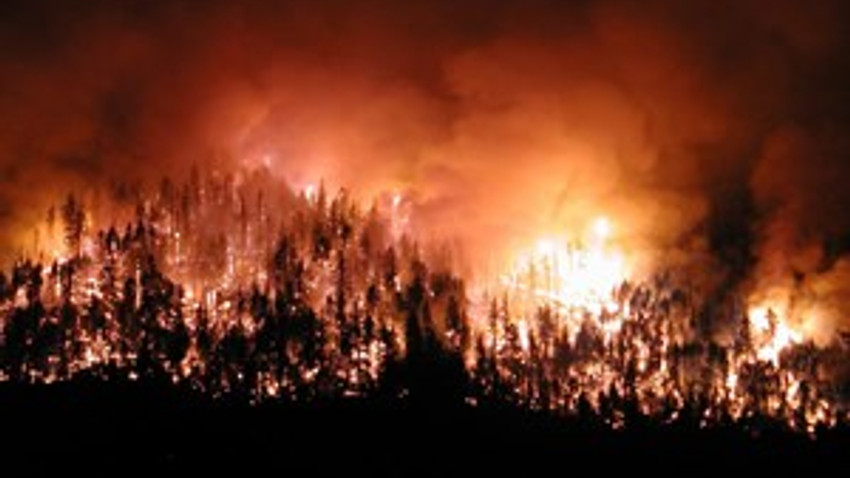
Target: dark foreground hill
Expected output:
[122,427]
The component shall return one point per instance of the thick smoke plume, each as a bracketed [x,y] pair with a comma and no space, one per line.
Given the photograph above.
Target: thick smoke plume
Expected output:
[711,132]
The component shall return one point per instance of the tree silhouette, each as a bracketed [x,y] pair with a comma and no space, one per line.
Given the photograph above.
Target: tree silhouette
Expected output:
[73,219]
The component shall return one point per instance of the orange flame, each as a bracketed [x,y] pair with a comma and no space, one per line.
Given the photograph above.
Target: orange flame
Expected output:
[571,273]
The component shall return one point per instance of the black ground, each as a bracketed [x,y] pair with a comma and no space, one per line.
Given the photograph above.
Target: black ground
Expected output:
[122,427]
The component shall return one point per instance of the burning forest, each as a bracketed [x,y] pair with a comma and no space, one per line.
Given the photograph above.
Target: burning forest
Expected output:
[265,295]
[629,214]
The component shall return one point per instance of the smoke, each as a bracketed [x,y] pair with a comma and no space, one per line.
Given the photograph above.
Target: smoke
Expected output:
[800,184]
[710,132]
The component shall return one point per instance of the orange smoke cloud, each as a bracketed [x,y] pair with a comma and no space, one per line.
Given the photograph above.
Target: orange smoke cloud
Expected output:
[501,121]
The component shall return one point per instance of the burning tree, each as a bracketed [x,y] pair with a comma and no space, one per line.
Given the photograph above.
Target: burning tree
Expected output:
[299,295]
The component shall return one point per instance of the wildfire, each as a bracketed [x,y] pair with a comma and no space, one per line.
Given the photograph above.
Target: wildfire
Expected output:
[771,333]
[206,292]
[570,273]
[578,331]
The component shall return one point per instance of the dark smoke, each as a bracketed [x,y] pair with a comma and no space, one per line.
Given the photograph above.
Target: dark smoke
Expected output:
[711,131]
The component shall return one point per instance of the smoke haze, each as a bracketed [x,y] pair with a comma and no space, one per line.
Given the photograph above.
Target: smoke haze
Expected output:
[710,132]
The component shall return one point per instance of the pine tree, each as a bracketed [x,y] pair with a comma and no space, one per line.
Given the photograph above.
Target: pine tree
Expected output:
[73,218]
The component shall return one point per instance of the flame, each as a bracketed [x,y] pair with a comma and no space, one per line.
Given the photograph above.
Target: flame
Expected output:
[310,192]
[607,335]
[771,332]
[572,274]
[602,228]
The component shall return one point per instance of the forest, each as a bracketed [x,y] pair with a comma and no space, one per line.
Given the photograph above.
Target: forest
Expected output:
[253,292]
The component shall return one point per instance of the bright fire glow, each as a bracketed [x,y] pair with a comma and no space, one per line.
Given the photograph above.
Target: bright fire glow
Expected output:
[570,273]
[573,326]
[310,192]
[771,334]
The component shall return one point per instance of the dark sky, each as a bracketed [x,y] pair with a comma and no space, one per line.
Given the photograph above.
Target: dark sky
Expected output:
[703,128]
